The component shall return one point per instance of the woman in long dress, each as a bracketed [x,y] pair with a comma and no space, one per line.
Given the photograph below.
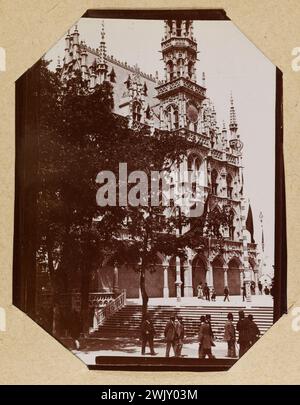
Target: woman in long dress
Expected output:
[200,291]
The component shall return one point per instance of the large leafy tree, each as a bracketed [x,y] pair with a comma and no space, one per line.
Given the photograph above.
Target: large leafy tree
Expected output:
[80,136]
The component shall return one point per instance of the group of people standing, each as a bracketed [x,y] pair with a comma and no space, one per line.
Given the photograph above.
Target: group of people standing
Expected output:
[248,334]
[174,335]
[209,294]
[204,292]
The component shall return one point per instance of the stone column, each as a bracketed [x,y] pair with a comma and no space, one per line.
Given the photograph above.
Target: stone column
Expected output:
[166,282]
[116,279]
[247,274]
[209,275]
[188,285]
[241,278]
[256,281]
[226,276]
[178,281]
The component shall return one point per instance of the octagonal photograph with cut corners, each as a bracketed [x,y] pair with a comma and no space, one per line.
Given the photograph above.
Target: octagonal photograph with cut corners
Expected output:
[148,187]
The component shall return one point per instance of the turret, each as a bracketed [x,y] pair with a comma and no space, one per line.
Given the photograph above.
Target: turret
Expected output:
[67,48]
[75,37]
[179,50]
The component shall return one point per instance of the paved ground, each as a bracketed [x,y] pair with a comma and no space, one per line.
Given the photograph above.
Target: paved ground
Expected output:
[236,300]
[131,347]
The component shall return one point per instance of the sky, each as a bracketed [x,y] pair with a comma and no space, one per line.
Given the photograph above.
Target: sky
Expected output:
[232,64]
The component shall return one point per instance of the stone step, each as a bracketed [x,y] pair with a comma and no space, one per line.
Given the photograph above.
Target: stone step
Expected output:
[128,320]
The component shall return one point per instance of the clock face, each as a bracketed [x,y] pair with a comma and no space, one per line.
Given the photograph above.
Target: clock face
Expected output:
[192,113]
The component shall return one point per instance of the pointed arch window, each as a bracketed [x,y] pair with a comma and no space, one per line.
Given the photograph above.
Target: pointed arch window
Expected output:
[136,112]
[190,69]
[176,119]
[229,185]
[178,28]
[214,184]
[170,70]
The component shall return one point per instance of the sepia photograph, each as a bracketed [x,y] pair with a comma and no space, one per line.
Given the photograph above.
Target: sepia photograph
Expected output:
[145,220]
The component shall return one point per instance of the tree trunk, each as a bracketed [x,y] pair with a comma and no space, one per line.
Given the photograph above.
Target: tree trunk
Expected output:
[50,263]
[143,292]
[85,321]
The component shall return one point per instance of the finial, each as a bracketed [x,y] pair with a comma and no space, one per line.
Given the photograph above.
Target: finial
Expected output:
[233,122]
[102,31]
[261,217]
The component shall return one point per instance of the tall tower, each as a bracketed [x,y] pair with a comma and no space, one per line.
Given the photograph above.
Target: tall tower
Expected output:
[180,96]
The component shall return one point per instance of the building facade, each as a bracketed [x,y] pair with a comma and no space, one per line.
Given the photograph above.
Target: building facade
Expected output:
[179,103]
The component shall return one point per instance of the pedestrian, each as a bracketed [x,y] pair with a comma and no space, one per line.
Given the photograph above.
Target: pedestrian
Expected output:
[244,292]
[254,331]
[260,287]
[147,335]
[229,336]
[244,335]
[266,290]
[226,294]
[200,291]
[206,292]
[252,287]
[170,336]
[75,327]
[179,326]
[205,339]
[213,295]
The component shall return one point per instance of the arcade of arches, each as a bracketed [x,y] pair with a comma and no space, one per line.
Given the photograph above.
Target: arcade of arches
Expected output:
[168,279]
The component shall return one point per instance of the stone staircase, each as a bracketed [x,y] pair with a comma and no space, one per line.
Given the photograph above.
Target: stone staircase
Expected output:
[127,321]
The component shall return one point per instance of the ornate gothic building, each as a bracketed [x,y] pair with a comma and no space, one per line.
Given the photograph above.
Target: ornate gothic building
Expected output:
[180,103]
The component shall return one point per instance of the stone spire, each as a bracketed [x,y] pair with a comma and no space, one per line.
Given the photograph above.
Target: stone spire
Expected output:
[233,126]
[102,65]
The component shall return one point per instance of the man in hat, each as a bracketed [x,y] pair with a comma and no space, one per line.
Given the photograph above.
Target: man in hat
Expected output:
[171,336]
[243,328]
[147,335]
